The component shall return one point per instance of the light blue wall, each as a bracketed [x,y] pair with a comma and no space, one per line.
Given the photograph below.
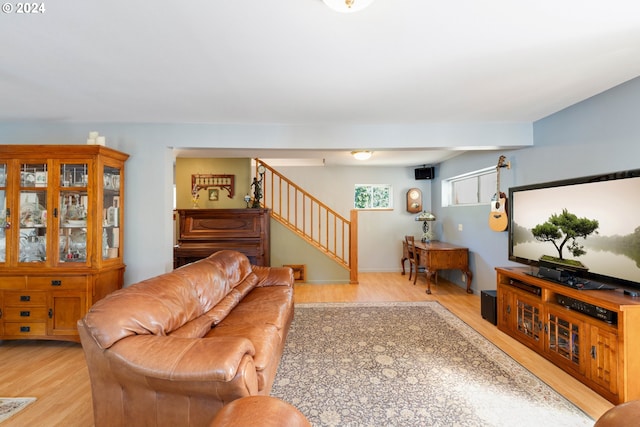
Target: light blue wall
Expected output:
[598,135]
[148,218]
[380,233]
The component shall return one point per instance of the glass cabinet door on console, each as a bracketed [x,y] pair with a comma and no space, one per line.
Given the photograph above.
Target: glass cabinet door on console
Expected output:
[528,319]
[565,341]
[521,314]
[61,236]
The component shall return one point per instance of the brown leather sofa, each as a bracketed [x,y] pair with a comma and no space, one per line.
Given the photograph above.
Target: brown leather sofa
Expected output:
[173,349]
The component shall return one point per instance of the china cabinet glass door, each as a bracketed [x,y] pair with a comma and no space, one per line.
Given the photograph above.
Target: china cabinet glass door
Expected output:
[111,213]
[3,212]
[33,213]
[73,202]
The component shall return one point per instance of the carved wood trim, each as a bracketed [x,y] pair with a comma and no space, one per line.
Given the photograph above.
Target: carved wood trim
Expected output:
[225,182]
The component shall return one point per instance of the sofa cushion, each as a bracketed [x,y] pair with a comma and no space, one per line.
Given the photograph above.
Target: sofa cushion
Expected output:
[155,306]
[167,302]
[267,305]
[197,328]
[263,316]
[229,302]
[212,278]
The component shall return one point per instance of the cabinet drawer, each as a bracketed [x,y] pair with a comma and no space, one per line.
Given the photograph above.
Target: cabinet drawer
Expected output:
[25,299]
[13,282]
[25,314]
[57,282]
[25,328]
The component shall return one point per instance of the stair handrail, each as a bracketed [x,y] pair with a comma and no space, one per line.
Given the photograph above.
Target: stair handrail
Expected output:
[319,225]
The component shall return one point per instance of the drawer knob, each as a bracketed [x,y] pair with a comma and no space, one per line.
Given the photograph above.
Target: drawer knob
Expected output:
[25,329]
[25,313]
[25,298]
[56,283]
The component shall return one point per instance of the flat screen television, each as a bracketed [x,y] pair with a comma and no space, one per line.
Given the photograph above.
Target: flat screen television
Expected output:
[599,214]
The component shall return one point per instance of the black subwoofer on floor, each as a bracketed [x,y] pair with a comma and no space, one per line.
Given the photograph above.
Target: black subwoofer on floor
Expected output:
[488,306]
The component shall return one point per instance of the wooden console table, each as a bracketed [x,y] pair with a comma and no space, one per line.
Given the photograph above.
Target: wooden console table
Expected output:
[592,335]
[434,256]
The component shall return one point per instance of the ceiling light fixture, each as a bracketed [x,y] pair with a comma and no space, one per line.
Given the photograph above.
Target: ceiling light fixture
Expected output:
[347,6]
[361,155]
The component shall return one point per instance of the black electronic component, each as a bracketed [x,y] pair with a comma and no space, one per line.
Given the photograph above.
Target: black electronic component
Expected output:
[588,309]
[425,173]
[526,287]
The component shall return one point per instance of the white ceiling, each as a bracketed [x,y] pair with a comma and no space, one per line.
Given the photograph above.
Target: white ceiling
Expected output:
[298,62]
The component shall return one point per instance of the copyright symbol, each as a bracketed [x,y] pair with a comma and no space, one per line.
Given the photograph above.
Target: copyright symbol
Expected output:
[7,8]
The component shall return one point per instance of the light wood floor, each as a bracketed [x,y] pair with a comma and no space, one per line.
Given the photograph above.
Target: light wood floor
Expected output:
[55,372]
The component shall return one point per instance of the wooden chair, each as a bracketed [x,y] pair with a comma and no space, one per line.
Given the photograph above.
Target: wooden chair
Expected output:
[413,257]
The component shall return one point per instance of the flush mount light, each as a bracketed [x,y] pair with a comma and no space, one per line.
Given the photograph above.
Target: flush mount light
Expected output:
[347,6]
[361,155]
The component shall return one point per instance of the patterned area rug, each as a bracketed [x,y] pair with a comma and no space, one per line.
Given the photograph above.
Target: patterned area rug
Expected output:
[408,364]
[10,406]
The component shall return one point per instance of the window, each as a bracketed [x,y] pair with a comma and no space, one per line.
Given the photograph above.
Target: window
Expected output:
[376,196]
[472,188]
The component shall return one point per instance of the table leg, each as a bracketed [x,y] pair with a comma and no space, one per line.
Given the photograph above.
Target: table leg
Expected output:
[430,274]
[469,278]
[402,261]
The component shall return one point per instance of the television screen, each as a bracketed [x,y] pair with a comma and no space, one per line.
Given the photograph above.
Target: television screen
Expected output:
[593,223]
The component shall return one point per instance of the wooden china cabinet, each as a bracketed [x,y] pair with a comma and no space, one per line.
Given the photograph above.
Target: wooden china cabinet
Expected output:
[61,236]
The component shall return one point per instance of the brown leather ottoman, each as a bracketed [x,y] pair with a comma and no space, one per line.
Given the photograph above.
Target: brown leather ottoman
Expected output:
[263,411]
[623,415]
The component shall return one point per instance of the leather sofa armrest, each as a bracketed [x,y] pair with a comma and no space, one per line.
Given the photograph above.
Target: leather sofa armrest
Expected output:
[182,359]
[273,276]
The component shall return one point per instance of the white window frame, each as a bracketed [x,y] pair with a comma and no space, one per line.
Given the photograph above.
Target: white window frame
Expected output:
[370,187]
[482,197]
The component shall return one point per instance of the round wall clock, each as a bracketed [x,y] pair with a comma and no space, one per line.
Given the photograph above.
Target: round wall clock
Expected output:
[414,200]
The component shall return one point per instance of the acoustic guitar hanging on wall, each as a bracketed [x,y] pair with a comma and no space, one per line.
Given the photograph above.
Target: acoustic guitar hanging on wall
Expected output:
[498,220]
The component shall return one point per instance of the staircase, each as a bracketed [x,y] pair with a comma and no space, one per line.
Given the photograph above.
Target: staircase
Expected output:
[312,220]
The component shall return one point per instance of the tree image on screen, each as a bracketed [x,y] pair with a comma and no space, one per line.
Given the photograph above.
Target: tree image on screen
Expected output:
[564,230]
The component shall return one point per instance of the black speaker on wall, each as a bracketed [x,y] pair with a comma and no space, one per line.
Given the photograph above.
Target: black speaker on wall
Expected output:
[424,173]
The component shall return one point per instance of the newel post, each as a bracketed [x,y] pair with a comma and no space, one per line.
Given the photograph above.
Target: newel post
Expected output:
[353,247]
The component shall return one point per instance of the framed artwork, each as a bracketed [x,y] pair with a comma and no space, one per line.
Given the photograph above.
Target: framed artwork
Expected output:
[213,194]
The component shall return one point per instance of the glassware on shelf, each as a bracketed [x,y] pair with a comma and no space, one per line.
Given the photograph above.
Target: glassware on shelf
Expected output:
[74,211]
[74,175]
[105,244]
[32,248]
[73,245]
